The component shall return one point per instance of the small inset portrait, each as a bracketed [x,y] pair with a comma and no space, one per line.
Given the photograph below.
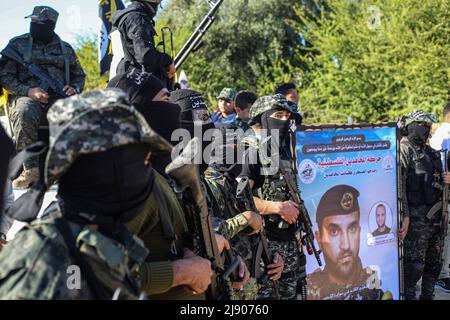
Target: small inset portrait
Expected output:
[380,219]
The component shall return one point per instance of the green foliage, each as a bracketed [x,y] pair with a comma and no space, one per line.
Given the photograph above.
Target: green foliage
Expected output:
[374,60]
[245,47]
[86,50]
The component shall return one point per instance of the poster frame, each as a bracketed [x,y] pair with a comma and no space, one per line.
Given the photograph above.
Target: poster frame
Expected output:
[344,127]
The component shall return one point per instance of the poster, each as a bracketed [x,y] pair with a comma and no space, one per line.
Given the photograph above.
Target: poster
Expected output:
[348,180]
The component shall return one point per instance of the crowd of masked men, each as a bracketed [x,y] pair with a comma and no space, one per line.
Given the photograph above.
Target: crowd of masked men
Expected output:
[131,220]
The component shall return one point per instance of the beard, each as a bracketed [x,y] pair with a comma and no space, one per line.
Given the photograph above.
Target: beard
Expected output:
[344,266]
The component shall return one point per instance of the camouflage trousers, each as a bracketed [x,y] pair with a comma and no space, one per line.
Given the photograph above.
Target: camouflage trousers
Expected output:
[445,272]
[421,258]
[26,117]
[289,278]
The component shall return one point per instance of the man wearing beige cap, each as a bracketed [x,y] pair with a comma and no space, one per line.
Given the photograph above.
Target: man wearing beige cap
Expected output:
[37,68]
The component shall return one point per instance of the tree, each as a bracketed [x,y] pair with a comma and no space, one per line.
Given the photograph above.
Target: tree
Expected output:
[86,50]
[247,45]
[374,60]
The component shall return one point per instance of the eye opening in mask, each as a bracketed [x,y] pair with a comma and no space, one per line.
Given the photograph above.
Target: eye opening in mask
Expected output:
[424,124]
[281,115]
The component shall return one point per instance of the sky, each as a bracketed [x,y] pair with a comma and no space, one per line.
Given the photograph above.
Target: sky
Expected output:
[76,17]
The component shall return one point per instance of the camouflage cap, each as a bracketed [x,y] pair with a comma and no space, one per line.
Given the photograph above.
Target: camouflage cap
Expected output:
[264,103]
[42,13]
[94,122]
[419,116]
[227,94]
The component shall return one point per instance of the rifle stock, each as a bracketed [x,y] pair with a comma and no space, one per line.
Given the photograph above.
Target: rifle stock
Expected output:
[185,174]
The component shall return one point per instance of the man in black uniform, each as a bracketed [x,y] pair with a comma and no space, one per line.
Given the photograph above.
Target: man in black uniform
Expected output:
[423,182]
[137,29]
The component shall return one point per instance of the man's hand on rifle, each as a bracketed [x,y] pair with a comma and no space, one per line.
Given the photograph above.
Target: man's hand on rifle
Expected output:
[69,91]
[446,177]
[38,95]
[276,268]
[403,231]
[244,275]
[288,211]
[222,243]
[171,71]
[193,272]
[254,221]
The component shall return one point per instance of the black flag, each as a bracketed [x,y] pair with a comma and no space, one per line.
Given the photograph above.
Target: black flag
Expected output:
[106,10]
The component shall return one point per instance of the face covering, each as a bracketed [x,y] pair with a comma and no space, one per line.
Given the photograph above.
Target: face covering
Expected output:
[164,118]
[42,32]
[107,188]
[194,117]
[418,134]
[282,126]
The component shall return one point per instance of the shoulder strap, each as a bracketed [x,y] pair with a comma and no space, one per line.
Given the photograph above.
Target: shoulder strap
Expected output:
[65,54]
[70,240]
[167,226]
[29,51]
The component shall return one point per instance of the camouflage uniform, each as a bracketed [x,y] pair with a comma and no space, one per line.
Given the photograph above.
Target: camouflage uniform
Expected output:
[223,192]
[36,263]
[358,288]
[422,187]
[54,58]
[288,248]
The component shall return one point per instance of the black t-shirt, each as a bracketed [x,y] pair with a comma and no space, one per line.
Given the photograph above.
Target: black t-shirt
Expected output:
[251,168]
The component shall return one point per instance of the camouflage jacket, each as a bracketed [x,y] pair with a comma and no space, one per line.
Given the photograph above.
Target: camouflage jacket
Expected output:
[50,57]
[365,285]
[223,192]
[37,264]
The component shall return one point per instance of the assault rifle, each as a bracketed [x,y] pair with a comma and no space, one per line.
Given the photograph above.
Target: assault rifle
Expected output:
[195,42]
[185,174]
[45,81]
[304,221]
[261,251]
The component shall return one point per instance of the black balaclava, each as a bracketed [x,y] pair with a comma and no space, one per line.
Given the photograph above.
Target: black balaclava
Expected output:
[271,124]
[418,134]
[164,118]
[194,114]
[43,32]
[108,188]
[229,150]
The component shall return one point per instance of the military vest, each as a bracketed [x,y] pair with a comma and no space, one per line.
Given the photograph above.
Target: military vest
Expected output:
[424,176]
[273,189]
[115,265]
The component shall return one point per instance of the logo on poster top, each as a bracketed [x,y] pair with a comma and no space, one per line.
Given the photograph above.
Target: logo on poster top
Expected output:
[307,171]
